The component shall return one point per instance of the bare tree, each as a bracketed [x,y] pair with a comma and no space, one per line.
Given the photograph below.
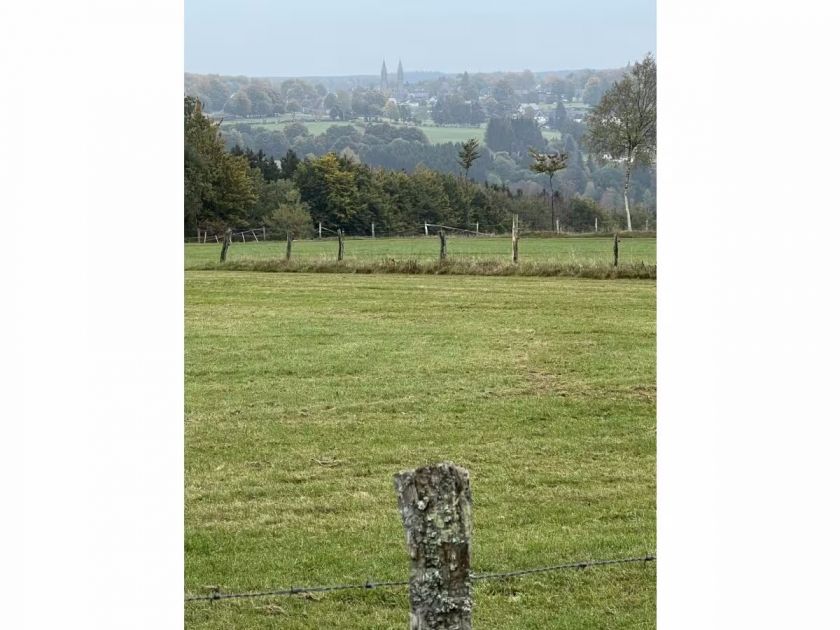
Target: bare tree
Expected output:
[622,127]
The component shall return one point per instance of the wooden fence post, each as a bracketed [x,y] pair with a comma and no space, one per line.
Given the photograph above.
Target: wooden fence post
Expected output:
[319,229]
[436,509]
[225,244]
[373,230]
[263,232]
[288,246]
[426,227]
[596,224]
[198,237]
[340,245]
[615,250]
[442,235]
[514,234]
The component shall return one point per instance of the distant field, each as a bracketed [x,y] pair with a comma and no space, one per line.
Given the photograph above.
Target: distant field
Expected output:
[578,250]
[305,393]
[436,135]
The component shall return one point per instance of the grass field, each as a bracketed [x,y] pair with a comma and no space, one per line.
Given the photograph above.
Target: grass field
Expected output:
[561,250]
[435,134]
[306,393]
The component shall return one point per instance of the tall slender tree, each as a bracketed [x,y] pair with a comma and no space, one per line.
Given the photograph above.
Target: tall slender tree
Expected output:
[467,154]
[548,163]
[622,127]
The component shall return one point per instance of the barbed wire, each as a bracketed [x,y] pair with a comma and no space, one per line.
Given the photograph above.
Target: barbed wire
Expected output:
[560,567]
[585,564]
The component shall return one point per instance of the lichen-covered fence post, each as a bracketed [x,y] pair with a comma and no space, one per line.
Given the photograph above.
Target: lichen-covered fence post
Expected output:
[442,235]
[615,250]
[436,508]
[288,246]
[340,245]
[225,244]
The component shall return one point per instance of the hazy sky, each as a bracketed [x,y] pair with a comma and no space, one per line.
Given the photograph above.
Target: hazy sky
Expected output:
[312,37]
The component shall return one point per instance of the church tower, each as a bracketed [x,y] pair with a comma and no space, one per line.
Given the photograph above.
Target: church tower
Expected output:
[399,79]
[383,78]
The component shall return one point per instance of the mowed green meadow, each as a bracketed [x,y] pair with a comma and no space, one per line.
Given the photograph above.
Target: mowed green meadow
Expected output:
[305,393]
[584,250]
[435,133]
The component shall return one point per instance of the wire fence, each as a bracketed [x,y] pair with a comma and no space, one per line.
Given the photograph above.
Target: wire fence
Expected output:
[584,564]
[325,232]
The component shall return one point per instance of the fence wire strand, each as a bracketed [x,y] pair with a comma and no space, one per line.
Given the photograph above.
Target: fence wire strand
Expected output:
[217,595]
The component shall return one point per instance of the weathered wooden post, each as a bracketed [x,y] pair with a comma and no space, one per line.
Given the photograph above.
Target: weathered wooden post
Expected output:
[514,233]
[205,236]
[263,232]
[340,245]
[557,225]
[242,234]
[596,224]
[198,237]
[225,244]
[288,246]
[373,230]
[436,509]
[476,228]
[442,235]
[615,250]
[319,229]
[426,227]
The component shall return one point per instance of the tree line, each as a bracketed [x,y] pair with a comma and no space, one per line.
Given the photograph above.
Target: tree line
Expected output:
[504,156]
[243,188]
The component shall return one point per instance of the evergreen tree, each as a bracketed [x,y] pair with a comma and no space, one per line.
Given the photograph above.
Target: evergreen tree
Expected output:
[289,164]
[467,154]
[217,185]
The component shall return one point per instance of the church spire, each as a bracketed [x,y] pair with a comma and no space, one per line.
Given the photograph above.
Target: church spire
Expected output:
[383,78]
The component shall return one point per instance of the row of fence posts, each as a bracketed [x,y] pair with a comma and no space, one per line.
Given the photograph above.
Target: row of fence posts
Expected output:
[514,233]
[202,234]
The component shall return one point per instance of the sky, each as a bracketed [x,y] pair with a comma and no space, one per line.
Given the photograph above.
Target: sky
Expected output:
[333,38]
